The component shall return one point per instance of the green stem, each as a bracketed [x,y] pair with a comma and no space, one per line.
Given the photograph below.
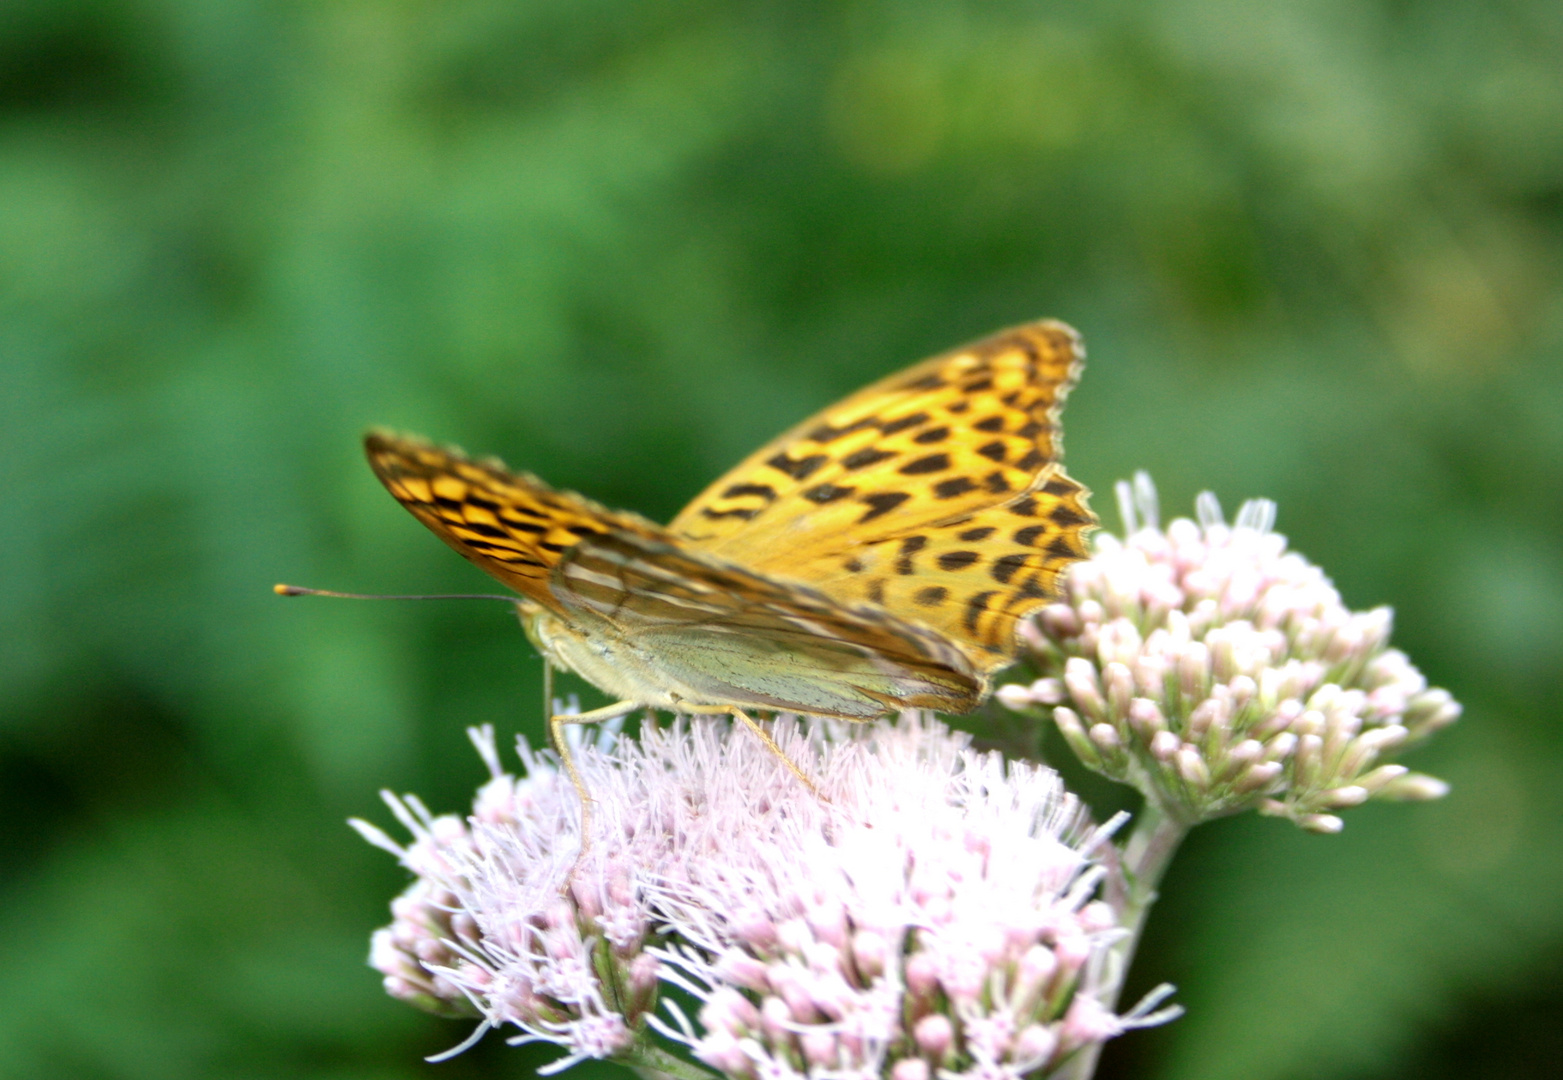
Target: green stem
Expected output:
[654,1063]
[1131,890]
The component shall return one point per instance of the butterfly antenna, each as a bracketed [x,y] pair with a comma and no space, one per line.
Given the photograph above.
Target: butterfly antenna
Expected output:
[299,590]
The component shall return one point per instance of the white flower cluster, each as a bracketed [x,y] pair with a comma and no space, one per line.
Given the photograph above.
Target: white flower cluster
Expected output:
[931,914]
[1217,671]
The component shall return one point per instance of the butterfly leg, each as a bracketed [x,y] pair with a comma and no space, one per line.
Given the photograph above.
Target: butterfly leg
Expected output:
[556,725]
[765,737]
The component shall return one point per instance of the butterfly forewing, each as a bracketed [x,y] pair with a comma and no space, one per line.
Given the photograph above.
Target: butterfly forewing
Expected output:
[512,525]
[936,493]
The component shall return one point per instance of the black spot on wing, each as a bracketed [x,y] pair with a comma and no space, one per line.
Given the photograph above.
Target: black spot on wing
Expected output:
[827,493]
[957,560]
[932,435]
[932,596]
[981,533]
[932,463]
[1064,515]
[949,489]
[865,457]
[826,433]
[764,491]
[798,468]
[909,547]
[1007,567]
[890,427]
[975,607]
[882,503]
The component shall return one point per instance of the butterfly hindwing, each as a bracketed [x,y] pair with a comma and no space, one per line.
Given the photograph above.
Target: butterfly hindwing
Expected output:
[973,578]
[936,493]
[738,636]
[953,434]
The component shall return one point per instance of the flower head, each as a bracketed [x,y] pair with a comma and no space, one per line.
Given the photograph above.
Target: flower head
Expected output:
[933,918]
[931,914]
[497,926]
[1217,671]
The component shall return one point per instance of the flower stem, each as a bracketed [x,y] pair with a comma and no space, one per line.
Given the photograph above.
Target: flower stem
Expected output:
[1131,890]
[652,1062]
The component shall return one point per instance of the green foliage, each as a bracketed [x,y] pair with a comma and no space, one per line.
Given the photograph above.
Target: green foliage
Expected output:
[1315,249]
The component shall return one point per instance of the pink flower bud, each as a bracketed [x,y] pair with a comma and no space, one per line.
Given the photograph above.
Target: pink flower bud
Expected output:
[934,1035]
[922,974]
[1048,691]
[819,1047]
[1080,679]
[722,1051]
[730,1011]
[1145,718]
[741,969]
[1258,777]
[1342,797]
[1087,1022]
[870,953]
[1321,823]
[776,1019]
[1164,744]
[1014,696]
[1191,767]
[1105,736]
[1414,787]
[1036,1043]
[1119,681]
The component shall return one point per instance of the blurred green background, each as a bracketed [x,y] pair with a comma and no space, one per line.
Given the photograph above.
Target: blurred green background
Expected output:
[1315,248]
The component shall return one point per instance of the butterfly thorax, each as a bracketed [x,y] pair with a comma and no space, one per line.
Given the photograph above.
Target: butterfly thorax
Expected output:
[613,666]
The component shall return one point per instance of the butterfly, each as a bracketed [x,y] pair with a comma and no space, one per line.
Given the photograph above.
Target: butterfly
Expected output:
[878,556]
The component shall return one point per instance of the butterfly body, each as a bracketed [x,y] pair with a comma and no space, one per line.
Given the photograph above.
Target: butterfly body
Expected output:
[877,557]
